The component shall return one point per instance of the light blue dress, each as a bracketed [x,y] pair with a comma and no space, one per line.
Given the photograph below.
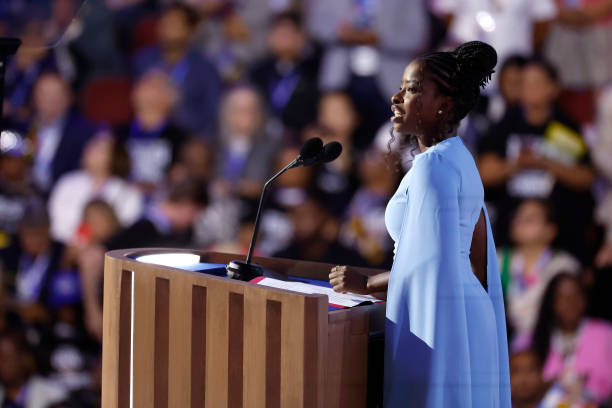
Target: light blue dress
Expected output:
[445,334]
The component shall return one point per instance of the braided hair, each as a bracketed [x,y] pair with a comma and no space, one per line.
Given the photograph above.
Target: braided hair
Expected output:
[459,74]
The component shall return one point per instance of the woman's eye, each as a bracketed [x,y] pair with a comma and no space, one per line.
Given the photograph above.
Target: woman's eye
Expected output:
[413,90]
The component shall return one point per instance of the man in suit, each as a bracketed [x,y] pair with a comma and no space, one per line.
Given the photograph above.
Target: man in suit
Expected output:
[58,133]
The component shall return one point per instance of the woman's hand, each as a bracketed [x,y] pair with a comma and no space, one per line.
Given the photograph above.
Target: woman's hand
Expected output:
[345,280]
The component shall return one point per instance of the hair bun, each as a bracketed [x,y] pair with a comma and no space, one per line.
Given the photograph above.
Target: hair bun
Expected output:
[475,62]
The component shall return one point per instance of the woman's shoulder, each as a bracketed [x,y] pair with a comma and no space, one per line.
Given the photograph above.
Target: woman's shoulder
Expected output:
[599,328]
[434,168]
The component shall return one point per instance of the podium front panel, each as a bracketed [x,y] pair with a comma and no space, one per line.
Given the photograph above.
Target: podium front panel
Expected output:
[175,338]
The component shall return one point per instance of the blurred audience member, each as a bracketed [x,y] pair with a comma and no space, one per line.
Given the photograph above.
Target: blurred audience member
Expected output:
[16,188]
[577,351]
[153,140]
[58,134]
[528,266]
[526,382]
[32,59]
[536,152]
[226,37]
[196,160]
[193,75]
[511,27]
[363,51]
[602,152]
[288,76]
[490,109]
[31,263]
[246,151]
[256,15]
[19,384]
[99,224]
[337,121]
[166,222]
[289,190]
[315,236]
[104,165]
[579,43]
[363,228]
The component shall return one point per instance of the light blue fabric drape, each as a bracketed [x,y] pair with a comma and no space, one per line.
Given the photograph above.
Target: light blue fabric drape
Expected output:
[445,335]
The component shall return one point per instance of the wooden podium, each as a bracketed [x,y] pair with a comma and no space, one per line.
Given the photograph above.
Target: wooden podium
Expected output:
[180,339]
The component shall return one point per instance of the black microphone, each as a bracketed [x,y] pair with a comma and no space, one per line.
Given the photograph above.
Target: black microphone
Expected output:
[311,149]
[245,270]
[330,152]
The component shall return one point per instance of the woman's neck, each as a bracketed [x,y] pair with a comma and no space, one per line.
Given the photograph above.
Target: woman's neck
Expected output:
[538,115]
[568,328]
[531,254]
[150,120]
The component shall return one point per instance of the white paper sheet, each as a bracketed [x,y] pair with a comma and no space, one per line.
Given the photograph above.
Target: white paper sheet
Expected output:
[335,298]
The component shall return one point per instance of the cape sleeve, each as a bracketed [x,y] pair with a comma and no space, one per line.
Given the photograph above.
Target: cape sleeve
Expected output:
[496,295]
[426,350]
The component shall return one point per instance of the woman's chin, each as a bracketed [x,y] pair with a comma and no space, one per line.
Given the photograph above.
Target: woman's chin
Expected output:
[398,124]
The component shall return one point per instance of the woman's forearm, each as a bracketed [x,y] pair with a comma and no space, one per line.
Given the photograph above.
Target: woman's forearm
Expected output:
[494,170]
[577,177]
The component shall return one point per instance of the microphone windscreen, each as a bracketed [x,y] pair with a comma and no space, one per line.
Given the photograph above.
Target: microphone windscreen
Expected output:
[331,151]
[312,147]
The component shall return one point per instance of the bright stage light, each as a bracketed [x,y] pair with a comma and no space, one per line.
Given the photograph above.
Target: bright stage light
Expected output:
[174,260]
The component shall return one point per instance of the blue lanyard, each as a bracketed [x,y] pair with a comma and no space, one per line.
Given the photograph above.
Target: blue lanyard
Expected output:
[179,72]
[281,90]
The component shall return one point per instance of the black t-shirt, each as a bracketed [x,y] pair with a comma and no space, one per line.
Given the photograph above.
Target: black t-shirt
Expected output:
[558,139]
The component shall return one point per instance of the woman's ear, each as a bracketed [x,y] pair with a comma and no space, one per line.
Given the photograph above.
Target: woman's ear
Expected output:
[444,107]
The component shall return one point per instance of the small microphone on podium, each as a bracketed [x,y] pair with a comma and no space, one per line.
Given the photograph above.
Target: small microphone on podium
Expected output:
[312,152]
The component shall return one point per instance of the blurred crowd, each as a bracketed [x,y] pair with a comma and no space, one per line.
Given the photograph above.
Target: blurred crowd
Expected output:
[136,123]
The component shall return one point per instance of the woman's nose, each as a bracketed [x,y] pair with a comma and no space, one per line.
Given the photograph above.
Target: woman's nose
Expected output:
[396,98]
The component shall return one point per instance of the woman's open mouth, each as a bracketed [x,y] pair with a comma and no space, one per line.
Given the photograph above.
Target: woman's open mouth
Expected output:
[397,114]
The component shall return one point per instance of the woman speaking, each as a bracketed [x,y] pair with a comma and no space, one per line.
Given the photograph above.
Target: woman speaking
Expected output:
[445,339]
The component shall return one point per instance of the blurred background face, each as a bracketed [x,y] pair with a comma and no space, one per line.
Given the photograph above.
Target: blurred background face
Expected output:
[34,240]
[242,112]
[101,221]
[63,12]
[525,377]
[153,94]
[13,169]
[530,227]
[174,30]
[308,219]
[298,177]
[34,45]
[511,83]
[183,216]
[336,113]
[51,98]
[286,40]
[569,304]
[374,170]
[197,157]
[12,371]
[538,88]
[98,154]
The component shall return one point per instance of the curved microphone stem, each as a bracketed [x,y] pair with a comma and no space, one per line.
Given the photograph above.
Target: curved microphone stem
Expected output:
[260,206]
